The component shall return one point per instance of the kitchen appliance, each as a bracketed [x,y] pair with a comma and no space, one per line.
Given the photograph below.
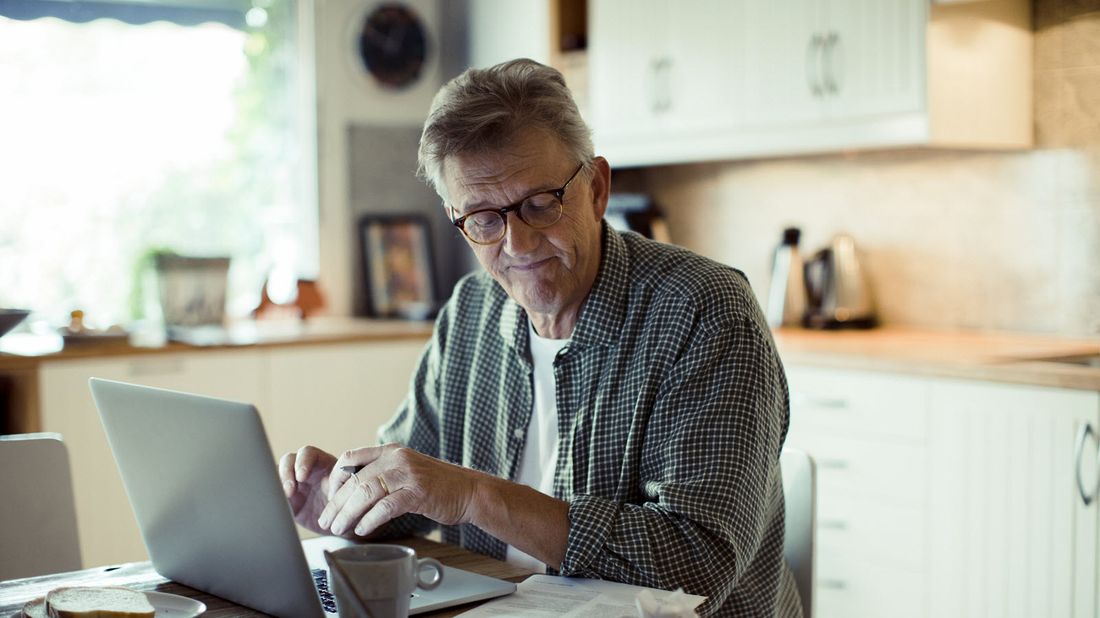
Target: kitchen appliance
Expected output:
[636,212]
[787,294]
[839,293]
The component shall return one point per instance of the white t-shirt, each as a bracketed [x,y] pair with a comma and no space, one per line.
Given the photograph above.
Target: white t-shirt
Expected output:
[540,452]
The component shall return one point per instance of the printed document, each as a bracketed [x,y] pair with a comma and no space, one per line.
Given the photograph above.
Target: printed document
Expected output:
[568,597]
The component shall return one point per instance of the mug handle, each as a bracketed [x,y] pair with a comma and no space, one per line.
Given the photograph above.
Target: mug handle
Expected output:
[435,566]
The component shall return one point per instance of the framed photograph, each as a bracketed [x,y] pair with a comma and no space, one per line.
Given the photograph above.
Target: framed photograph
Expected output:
[397,263]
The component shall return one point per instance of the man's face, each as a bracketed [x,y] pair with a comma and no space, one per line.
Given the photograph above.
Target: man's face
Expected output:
[550,270]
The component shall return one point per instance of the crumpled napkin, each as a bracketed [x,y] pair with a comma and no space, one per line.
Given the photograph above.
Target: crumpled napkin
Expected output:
[670,606]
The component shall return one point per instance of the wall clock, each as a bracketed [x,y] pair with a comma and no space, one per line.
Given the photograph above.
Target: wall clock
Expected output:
[393,44]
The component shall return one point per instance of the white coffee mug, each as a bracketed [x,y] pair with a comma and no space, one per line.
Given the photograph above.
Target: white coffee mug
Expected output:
[383,577]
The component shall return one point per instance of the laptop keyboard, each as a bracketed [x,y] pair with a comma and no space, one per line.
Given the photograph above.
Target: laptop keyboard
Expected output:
[320,580]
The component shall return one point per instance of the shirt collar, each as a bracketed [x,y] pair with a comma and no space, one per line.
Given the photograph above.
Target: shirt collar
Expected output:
[603,311]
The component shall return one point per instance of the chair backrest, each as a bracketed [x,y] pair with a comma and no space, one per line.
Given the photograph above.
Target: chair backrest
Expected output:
[800,495]
[37,517]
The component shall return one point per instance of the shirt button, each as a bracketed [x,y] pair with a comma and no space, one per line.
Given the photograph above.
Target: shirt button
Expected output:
[518,433]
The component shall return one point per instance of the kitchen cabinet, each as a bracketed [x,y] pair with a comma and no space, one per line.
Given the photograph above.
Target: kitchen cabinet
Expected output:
[867,434]
[821,61]
[665,76]
[942,497]
[673,83]
[105,522]
[1012,534]
[333,395]
[336,397]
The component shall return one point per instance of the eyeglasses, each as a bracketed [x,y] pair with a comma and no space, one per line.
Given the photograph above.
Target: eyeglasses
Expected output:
[538,210]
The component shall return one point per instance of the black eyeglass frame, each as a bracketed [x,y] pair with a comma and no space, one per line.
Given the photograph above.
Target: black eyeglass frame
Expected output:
[559,195]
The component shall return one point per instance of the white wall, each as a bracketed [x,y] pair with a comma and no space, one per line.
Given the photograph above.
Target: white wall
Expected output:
[346,95]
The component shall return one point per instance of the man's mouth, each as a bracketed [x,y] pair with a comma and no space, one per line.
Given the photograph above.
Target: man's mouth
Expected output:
[531,266]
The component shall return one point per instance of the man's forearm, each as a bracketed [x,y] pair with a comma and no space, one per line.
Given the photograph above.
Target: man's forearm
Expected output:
[524,518]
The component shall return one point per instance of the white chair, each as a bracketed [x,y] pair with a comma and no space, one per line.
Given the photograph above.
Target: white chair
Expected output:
[800,495]
[37,517]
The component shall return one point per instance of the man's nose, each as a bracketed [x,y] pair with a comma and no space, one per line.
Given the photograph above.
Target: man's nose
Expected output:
[519,238]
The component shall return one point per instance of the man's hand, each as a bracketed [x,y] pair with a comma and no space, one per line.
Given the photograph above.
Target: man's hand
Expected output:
[305,476]
[395,480]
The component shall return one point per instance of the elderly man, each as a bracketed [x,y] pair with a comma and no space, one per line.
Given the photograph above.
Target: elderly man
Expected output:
[593,403]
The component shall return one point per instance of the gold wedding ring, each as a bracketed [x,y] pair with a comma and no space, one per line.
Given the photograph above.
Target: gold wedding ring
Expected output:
[382,482]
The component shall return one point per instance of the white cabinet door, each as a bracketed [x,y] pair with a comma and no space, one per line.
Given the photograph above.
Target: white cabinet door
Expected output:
[783,74]
[815,61]
[336,397]
[629,66]
[108,531]
[707,61]
[665,77]
[867,434]
[1010,533]
[872,60]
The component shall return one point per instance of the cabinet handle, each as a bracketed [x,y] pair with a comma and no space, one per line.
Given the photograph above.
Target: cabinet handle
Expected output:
[833,584]
[828,54]
[661,95]
[666,82]
[813,52]
[833,524]
[833,464]
[1079,451]
[801,400]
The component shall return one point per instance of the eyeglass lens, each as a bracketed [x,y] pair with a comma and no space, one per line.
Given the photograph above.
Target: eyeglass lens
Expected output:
[538,211]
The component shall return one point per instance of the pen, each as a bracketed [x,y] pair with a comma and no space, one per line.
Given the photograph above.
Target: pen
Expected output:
[351,469]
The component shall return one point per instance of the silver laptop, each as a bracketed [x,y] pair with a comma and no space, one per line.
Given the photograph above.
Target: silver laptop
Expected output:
[203,484]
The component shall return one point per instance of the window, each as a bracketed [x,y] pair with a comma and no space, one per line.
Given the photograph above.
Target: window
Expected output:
[119,139]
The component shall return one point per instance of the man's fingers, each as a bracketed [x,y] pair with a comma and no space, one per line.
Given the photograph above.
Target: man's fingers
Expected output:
[286,473]
[361,500]
[353,458]
[389,507]
[336,503]
[306,458]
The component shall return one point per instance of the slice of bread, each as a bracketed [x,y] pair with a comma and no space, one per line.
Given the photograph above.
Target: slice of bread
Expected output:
[35,609]
[98,602]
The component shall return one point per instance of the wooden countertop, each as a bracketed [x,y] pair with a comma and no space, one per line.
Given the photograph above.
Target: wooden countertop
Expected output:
[245,335]
[1000,357]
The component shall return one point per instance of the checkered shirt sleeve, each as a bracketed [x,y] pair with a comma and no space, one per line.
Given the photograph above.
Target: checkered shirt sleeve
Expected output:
[672,411]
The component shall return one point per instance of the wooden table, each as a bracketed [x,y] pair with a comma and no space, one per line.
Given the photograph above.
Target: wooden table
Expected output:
[141,576]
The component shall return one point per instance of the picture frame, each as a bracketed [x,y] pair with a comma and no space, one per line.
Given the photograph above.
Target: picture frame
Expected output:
[398,269]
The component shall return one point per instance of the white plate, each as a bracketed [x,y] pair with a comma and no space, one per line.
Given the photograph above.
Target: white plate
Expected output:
[175,606]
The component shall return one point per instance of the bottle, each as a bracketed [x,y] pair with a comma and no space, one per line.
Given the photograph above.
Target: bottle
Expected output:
[787,294]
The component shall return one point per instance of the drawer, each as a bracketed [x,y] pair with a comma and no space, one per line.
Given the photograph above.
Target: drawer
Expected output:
[886,535]
[880,470]
[857,589]
[850,403]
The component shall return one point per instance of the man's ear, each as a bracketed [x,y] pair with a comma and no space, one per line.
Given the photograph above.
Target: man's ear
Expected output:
[600,185]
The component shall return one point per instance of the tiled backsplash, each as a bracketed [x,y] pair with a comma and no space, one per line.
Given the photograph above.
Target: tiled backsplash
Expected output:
[974,240]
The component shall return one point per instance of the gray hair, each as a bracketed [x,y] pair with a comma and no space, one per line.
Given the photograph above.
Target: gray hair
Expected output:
[482,109]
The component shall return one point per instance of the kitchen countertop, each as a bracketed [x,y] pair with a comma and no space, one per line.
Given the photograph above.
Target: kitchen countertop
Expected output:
[248,334]
[999,357]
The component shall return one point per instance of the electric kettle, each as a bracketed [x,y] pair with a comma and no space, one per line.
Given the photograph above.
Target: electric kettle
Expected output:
[838,291]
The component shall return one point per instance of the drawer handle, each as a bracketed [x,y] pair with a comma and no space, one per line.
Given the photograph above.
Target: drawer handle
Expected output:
[1082,436]
[833,524]
[833,464]
[833,584]
[832,403]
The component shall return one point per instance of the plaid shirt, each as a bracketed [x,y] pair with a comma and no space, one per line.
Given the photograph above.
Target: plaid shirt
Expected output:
[672,410]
